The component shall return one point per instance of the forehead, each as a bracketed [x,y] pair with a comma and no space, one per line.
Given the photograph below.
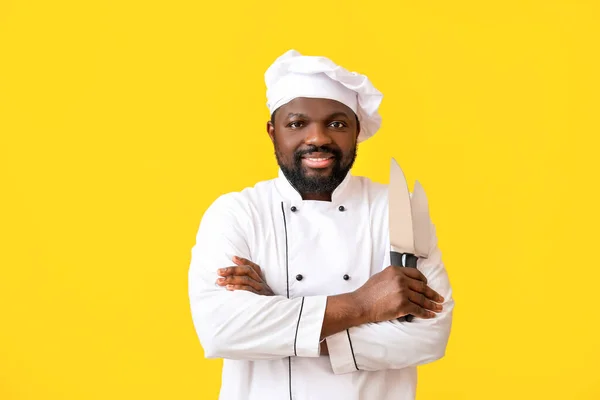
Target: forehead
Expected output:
[314,108]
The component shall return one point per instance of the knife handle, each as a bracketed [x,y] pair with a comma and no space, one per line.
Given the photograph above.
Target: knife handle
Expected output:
[404,260]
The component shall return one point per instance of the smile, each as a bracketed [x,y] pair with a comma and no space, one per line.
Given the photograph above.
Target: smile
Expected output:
[318,162]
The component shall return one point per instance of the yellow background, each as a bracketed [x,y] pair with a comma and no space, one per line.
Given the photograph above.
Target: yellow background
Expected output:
[121,121]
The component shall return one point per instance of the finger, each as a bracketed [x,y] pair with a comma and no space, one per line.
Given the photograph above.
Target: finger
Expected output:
[239,280]
[420,299]
[241,287]
[252,273]
[420,312]
[244,261]
[240,270]
[421,287]
[414,273]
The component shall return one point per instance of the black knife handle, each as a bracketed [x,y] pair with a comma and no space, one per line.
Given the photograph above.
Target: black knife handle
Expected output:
[404,260]
[399,260]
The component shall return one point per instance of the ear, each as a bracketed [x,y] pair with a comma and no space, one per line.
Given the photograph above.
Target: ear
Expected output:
[357,128]
[271,131]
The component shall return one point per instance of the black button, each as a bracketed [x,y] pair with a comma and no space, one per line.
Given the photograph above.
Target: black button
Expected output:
[346,277]
[298,277]
[293,208]
[341,208]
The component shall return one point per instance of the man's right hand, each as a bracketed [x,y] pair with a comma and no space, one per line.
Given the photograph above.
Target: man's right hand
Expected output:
[396,292]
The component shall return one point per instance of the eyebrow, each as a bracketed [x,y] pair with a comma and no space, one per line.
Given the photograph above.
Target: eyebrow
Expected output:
[338,114]
[331,116]
[297,115]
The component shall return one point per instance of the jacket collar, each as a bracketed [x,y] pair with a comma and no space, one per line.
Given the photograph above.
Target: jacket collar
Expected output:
[339,195]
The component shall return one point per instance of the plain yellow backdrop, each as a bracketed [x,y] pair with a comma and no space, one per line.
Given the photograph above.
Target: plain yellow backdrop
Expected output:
[121,121]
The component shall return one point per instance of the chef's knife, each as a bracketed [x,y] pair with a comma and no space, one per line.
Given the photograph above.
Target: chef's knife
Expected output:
[402,239]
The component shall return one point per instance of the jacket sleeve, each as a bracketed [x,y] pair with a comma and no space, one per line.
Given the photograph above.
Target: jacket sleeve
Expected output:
[240,324]
[394,344]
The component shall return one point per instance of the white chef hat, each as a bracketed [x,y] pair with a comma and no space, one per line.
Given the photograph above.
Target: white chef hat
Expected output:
[293,75]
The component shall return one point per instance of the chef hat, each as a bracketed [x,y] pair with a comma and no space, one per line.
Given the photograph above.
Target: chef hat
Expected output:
[293,75]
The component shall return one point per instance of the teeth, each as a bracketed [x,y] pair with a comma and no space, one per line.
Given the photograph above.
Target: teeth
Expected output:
[317,159]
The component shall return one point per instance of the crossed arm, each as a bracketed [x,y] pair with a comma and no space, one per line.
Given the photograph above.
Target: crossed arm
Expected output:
[360,332]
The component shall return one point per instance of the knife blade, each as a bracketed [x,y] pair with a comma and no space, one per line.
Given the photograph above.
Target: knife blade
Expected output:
[402,251]
[400,219]
[421,222]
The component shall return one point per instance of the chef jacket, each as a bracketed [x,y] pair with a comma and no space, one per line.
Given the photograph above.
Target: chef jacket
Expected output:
[307,250]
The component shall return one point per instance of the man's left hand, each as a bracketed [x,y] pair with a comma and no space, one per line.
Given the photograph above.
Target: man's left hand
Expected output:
[245,275]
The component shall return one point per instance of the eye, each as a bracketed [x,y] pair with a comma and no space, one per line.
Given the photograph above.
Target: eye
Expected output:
[338,125]
[295,124]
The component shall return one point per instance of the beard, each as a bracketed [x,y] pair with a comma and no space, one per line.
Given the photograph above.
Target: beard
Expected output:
[297,175]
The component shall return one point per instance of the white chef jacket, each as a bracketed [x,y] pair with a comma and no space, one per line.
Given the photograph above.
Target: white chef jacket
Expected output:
[307,251]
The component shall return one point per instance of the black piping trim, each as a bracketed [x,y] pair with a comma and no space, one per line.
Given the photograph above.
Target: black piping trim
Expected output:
[287,281]
[287,276]
[298,325]
[351,349]
[290,370]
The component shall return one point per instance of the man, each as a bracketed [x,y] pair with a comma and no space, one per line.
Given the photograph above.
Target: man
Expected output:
[290,281]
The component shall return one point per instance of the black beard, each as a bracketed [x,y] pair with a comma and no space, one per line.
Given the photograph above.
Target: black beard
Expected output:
[296,174]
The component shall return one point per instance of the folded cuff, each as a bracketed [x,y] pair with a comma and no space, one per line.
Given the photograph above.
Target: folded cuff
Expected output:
[341,353]
[309,325]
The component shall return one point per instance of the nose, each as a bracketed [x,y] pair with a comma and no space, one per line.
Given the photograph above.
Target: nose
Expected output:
[317,136]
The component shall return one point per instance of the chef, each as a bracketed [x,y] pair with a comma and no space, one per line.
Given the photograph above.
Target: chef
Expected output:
[290,280]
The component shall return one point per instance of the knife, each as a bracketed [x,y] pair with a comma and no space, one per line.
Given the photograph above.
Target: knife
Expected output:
[402,217]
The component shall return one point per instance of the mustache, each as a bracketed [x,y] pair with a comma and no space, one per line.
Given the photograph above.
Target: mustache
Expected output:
[336,153]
